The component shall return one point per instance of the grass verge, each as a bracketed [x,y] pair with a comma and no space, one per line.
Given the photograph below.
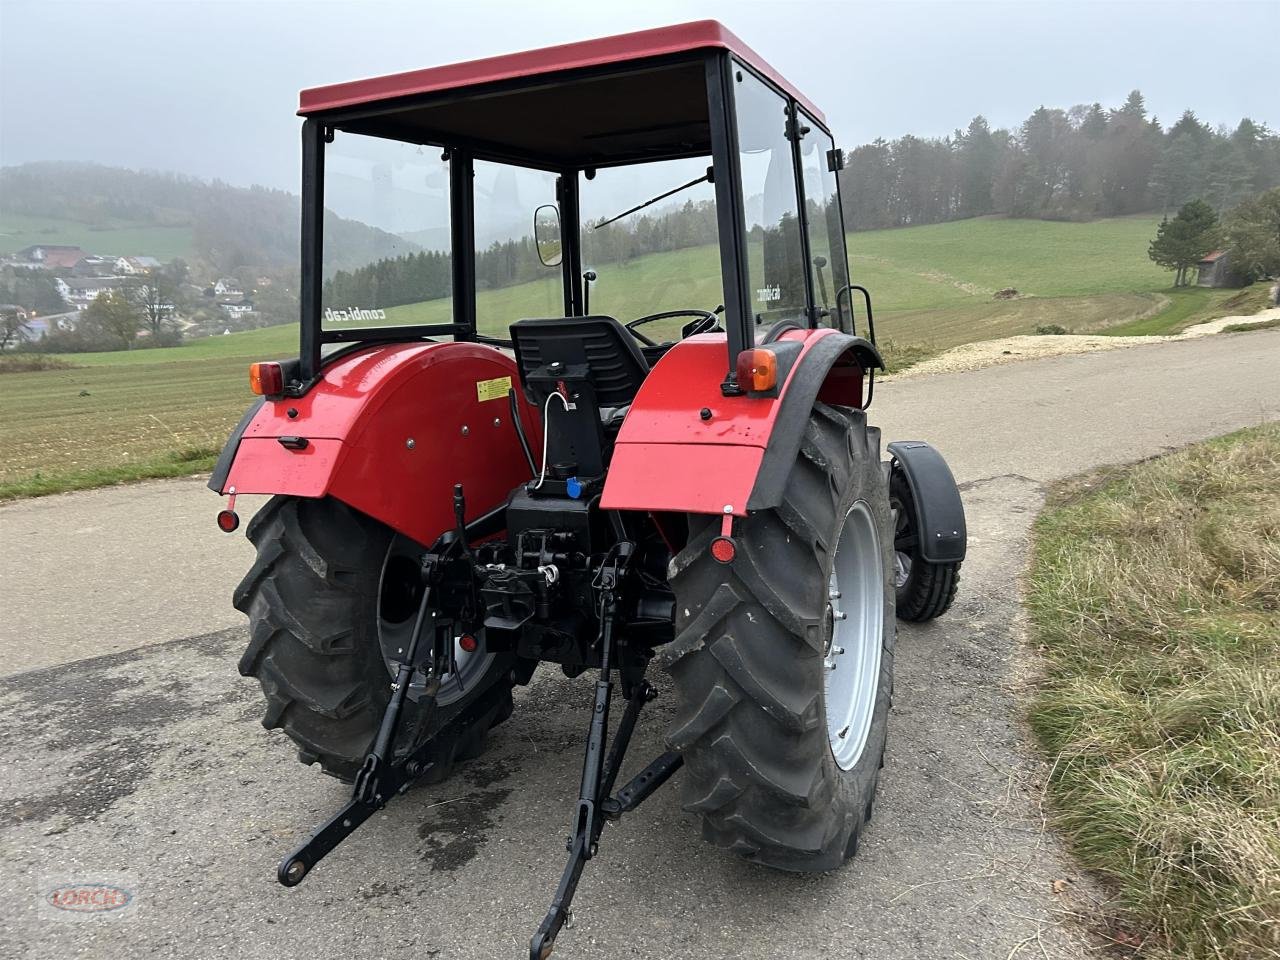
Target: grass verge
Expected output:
[1190,306]
[1246,327]
[899,356]
[1155,599]
[178,463]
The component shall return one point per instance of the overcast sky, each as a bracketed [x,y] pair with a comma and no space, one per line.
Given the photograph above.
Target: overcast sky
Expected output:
[210,88]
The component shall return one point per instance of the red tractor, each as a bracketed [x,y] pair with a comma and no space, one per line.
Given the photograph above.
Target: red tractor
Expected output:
[473,473]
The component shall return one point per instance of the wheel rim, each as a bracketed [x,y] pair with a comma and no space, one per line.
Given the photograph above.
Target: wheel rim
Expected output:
[399,595]
[903,542]
[852,657]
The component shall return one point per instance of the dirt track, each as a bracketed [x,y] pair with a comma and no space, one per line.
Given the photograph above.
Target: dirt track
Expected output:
[147,764]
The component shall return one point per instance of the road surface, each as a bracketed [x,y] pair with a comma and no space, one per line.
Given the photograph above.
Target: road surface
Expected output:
[132,752]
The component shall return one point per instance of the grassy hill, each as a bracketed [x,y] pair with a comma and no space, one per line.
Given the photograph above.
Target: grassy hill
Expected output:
[930,285]
[115,211]
[160,412]
[121,239]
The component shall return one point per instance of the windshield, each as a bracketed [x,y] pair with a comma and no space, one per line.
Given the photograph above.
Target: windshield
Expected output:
[660,258]
[387,257]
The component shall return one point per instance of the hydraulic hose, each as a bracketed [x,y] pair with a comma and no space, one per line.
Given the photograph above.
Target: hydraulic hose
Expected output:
[524,441]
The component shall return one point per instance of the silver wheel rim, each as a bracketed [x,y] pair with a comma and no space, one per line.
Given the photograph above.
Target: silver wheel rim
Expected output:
[852,658]
[901,558]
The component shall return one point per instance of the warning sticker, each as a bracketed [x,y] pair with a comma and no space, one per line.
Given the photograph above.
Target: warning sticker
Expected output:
[492,389]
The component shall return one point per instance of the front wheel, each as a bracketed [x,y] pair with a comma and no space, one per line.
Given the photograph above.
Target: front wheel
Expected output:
[783,658]
[924,590]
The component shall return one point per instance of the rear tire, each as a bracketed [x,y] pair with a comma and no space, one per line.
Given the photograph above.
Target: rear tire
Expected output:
[312,598]
[753,720]
[924,590]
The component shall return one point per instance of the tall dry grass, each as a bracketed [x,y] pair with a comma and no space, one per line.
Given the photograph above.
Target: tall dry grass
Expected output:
[1156,601]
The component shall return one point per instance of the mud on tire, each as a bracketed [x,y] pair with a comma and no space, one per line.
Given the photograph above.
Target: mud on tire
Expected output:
[312,600]
[748,661]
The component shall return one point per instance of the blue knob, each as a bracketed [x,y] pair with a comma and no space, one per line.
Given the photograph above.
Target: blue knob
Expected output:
[573,486]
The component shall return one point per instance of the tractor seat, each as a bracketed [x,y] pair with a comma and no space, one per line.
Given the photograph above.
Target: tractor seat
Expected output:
[617,366]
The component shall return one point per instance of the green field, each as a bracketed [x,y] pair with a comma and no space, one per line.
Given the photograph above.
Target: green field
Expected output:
[114,239]
[131,413]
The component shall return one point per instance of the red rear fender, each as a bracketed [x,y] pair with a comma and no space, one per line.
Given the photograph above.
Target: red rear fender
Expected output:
[389,430]
[687,448]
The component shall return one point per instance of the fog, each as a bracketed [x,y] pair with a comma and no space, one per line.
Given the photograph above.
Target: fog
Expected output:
[210,89]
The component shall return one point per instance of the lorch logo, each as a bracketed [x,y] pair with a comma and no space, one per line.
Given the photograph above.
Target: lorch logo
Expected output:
[89,898]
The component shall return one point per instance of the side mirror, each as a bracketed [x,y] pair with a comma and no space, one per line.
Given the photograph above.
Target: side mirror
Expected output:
[546,235]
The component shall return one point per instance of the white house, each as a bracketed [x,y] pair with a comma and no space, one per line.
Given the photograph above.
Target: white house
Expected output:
[227,287]
[136,265]
[82,291]
[238,308]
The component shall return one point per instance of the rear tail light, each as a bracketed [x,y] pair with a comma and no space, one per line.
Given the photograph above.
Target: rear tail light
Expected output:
[757,370]
[266,379]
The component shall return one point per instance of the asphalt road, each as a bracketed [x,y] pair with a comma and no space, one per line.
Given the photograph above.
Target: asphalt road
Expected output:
[131,750]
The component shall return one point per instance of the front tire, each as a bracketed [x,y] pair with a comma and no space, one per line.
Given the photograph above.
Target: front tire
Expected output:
[924,590]
[771,762]
[315,600]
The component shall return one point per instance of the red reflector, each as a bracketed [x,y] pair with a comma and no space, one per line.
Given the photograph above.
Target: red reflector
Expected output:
[724,549]
[266,379]
[757,370]
[228,521]
[468,643]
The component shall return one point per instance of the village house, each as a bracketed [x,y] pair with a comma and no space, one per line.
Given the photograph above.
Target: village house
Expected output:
[52,256]
[136,265]
[94,266]
[82,291]
[227,287]
[236,308]
[36,328]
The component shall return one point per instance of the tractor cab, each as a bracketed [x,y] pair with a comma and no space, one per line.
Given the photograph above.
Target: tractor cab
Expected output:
[668,179]
[580,380]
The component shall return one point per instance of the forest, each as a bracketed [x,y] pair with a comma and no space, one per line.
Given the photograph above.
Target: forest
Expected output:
[1075,164]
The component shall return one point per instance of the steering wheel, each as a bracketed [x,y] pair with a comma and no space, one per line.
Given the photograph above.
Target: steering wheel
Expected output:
[706,320]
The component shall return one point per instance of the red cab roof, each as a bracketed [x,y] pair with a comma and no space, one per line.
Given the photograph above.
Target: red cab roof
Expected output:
[662,41]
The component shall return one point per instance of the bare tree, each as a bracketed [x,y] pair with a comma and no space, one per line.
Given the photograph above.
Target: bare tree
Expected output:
[13,326]
[155,295]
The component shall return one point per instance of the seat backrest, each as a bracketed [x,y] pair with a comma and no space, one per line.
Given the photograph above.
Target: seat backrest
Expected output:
[602,343]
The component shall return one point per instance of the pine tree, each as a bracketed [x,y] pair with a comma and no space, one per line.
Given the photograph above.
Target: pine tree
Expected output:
[1182,242]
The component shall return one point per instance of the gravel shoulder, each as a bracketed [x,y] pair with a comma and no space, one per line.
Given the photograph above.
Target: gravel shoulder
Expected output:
[148,762]
[989,353]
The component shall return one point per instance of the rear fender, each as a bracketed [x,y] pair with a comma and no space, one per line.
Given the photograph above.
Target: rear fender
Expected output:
[686,448]
[389,430]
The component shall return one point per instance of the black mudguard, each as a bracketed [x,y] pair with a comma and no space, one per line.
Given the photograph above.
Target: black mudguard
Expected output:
[797,406]
[943,537]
